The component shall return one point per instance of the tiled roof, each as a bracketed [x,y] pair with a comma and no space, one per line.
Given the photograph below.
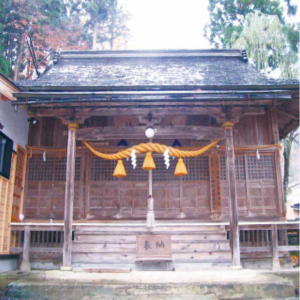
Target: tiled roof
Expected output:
[150,68]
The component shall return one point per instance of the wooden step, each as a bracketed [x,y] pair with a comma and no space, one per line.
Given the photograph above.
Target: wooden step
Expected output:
[198,237]
[197,247]
[137,229]
[104,248]
[201,256]
[107,238]
[95,233]
[116,258]
[129,239]
[131,247]
[113,258]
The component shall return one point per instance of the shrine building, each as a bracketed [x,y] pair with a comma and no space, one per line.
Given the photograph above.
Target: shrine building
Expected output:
[143,159]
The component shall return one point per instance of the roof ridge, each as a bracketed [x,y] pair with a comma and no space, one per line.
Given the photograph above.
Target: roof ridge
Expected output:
[153,53]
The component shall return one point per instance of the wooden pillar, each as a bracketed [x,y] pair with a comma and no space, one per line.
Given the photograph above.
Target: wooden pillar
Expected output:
[280,203]
[69,196]
[275,251]
[231,179]
[25,263]
[215,186]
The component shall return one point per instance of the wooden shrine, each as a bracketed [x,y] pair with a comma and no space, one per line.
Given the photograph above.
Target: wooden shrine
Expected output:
[190,98]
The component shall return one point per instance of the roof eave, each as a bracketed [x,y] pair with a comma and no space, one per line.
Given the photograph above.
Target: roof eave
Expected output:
[288,86]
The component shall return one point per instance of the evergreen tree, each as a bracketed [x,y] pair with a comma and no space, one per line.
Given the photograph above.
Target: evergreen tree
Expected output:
[267,44]
[105,23]
[259,26]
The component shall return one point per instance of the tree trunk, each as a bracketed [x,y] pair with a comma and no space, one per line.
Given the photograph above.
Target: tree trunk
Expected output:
[94,37]
[19,58]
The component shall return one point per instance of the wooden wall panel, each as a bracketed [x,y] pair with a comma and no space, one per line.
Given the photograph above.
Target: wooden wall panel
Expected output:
[252,130]
[17,206]
[45,188]
[104,199]
[6,200]
[48,132]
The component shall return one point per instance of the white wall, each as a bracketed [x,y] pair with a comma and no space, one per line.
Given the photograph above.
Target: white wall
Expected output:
[15,123]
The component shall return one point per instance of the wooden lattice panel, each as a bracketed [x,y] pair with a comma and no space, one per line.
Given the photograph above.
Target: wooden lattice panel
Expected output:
[50,168]
[6,199]
[262,168]
[45,187]
[17,207]
[256,184]
[240,171]
[198,169]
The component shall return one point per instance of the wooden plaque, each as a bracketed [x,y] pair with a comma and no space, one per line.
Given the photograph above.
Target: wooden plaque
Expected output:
[153,247]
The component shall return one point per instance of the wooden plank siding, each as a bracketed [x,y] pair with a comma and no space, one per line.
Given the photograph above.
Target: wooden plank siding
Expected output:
[6,200]
[18,198]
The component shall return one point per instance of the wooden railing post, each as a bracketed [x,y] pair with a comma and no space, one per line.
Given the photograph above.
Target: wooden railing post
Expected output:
[231,179]
[25,263]
[275,249]
[69,197]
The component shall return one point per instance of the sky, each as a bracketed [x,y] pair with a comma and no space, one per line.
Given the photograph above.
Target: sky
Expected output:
[170,24]
[167,24]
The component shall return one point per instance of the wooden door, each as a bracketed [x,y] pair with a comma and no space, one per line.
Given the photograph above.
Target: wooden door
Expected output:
[109,197]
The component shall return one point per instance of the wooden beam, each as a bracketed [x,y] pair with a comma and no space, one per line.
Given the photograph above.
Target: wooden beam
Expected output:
[207,102]
[25,263]
[157,111]
[69,197]
[231,179]
[188,132]
[287,114]
[7,89]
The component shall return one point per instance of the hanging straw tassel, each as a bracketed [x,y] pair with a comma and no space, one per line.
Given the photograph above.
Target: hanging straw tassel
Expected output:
[180,169]
[119,169]
[149,163]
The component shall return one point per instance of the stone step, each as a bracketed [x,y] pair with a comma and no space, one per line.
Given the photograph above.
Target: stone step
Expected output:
[92,291]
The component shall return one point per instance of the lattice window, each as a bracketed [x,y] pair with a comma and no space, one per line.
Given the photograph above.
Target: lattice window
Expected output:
[222,168]
[59,170]
[240,171]
[102,169]
[198,169]
[262,168]
[41,170]
[53,169]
